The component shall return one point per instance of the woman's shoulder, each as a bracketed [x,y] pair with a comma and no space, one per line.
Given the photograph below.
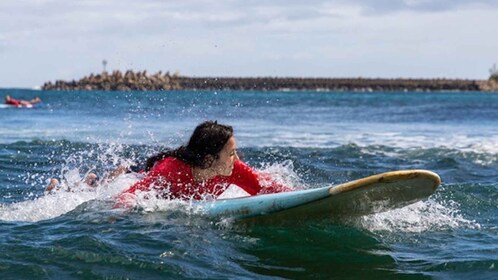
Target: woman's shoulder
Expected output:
[171,161]
[238,164]
[240,168]
[171,164]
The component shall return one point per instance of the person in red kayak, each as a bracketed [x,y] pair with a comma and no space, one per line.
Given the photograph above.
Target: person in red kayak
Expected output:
[203,168]
[21,103]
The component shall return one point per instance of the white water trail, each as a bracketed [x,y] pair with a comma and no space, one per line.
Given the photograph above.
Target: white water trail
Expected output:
[428,215]
[63,201]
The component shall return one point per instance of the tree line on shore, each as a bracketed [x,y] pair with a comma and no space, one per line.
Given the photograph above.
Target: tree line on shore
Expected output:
[142,81]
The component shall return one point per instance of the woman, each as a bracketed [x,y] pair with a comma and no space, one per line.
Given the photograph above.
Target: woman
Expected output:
[204,168]
[21,103]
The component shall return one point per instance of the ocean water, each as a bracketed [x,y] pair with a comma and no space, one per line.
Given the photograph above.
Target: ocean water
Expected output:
[305,139]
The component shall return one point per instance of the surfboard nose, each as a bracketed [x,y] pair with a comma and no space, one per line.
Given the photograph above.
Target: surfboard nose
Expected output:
[430,175]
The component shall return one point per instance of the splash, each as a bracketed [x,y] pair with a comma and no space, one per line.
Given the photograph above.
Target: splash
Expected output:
[283,173]
[45,207]
[73,193]
[151,202]
[429,215]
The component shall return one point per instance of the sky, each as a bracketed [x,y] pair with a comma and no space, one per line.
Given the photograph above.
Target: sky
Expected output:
[48,40]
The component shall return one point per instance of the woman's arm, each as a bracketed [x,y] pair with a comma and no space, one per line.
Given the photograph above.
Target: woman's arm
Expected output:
[252,182]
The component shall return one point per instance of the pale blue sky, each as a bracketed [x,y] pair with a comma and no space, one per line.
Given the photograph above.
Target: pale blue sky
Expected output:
[45,40]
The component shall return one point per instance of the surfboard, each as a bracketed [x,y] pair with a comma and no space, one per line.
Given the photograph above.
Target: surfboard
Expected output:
[6,106]
[373,194]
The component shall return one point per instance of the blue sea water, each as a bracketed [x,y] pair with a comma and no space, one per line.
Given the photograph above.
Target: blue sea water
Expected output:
[305,139]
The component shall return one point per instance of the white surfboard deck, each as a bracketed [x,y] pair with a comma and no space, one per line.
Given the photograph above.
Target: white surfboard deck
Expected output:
[7,106]
[364,196]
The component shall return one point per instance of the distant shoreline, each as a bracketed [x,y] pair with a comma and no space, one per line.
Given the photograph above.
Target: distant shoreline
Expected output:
[141,81]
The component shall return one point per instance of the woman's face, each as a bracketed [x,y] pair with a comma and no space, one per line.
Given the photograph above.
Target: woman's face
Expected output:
[224,164]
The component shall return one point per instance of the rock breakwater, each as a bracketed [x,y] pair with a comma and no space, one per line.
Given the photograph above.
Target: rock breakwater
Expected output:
[142,81]
[120,82]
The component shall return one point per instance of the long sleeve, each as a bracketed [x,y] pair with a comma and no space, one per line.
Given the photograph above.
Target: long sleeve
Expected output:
[252,182]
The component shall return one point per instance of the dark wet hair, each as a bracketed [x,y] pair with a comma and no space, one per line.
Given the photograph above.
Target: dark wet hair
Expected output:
[208,138]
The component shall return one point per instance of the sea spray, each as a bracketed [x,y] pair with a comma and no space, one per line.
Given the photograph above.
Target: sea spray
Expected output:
[429,215]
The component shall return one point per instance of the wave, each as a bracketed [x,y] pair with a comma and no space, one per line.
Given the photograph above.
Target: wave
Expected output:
[38,160]
[57,157]
[469,178]
[139,129]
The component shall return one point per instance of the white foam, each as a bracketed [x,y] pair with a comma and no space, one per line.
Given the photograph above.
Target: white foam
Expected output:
[45,207]
[422,216]
[233,191]
[283,173]
[151,203]
[62,201]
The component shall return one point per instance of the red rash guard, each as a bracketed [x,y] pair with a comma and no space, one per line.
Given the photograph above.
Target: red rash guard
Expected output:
[172,178]
[13,101]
